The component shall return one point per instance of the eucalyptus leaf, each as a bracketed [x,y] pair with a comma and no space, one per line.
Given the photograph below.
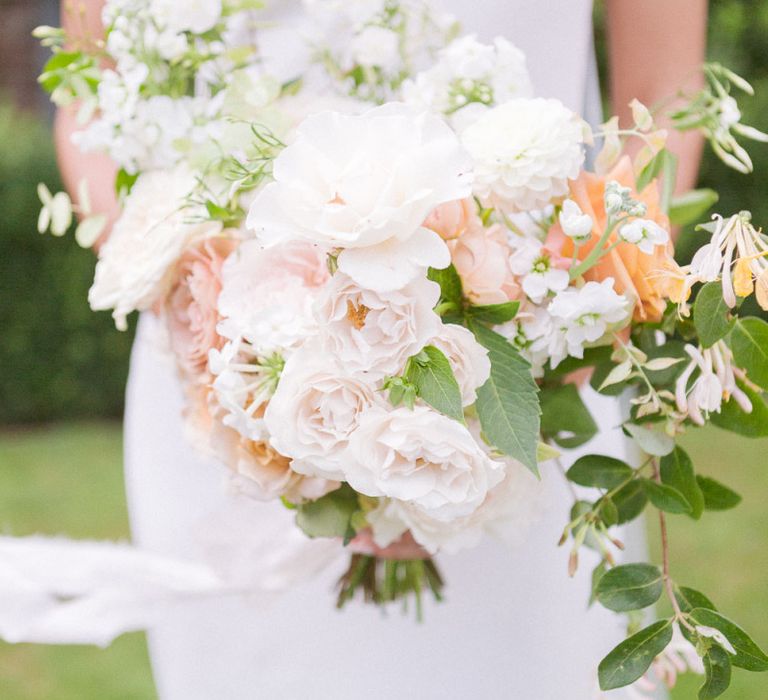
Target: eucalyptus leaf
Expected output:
[748,655]
[666,498]
[631,659]
[565,419]
[599,471]
[435,383]
[689,599]
[630,587]
[651,440]
[749,342]
[329,516]
[691,206]
[717,496]
[732,417]
[630,501]
[677,471]
[717,670]
[711,314]
[507,404]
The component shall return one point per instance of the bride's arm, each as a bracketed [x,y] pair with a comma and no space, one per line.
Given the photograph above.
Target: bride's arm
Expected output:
[655,48]
[82,19]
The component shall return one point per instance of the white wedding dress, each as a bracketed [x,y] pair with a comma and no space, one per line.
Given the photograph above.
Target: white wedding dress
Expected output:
[513,624]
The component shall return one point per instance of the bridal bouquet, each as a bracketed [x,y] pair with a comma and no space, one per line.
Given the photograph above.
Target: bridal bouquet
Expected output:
[377,310]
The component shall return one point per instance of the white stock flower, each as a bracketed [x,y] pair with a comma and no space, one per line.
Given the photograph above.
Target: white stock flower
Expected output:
[367,331]
[360,181]
[645,234]
[267,294]
[422,458]
[196,16]
[533,264]
[581,317]
[376,47]
[468,72]
[314,411]
[135,266]
[525,151]
[469,360]
[574,222]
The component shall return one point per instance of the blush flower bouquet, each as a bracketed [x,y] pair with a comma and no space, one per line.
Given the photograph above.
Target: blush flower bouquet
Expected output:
[379,272]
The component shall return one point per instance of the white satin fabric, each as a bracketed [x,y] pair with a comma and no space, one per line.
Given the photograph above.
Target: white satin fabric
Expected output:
[513,624]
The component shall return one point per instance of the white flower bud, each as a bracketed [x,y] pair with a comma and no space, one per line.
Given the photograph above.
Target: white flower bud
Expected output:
[644,233]
[574,222]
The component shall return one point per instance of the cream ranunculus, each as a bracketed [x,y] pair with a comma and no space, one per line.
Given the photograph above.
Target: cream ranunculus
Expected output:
[358,181]
[372,332]
[422,458]
[135,267]
[525,151]
[468,359]
[314,411]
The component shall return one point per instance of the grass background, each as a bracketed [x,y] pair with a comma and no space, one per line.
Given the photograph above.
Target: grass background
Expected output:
[67,479]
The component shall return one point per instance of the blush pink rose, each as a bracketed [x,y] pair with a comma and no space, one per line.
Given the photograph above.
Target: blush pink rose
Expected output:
[191,304]
[451,219]
[481,257]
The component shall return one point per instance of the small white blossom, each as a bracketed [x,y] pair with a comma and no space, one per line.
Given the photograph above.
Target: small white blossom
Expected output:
[533,264]
[645,234]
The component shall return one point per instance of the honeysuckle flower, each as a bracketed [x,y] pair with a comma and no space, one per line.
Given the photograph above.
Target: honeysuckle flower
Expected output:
[583,316]
[469,360]
[525,151]
[737,256]
[715,382]
[574,222]
[376,332]
[314,411]
[645,234]
[355,182]
[534,265]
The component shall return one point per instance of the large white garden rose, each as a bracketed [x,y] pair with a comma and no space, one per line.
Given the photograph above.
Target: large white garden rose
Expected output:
[525,151]
[422,458]
[357,181]
[314,411]
[372,332]
[135,267]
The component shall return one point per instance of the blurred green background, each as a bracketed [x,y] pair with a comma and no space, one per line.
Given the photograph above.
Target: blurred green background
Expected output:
[63,370]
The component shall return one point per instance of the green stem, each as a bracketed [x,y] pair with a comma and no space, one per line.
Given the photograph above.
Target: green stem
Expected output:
[597,252]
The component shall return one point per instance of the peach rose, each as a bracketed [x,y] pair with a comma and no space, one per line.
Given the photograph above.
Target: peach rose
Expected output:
[191,304]
[637,275]
[451,219]
[481,257]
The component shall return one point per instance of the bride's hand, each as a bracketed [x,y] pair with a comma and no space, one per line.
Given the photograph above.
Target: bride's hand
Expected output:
[405,548]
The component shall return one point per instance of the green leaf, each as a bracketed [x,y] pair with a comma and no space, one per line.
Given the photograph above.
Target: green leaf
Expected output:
[599,376]
[597,573]
[651,440]
[451,293]
[692,206]
[630,501]
[717,496]
[435,382]
[749,342]
[564,417]
[599,471]
[711,314]
[717,667]
[689,598]
[329,516]
[630,587]
[733,418]
[124,182]
[668,179]
[748,655]
[507,404]
[632,658]
[677,471]
[494,313]
[652,170]
[666,498]
[608,511]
